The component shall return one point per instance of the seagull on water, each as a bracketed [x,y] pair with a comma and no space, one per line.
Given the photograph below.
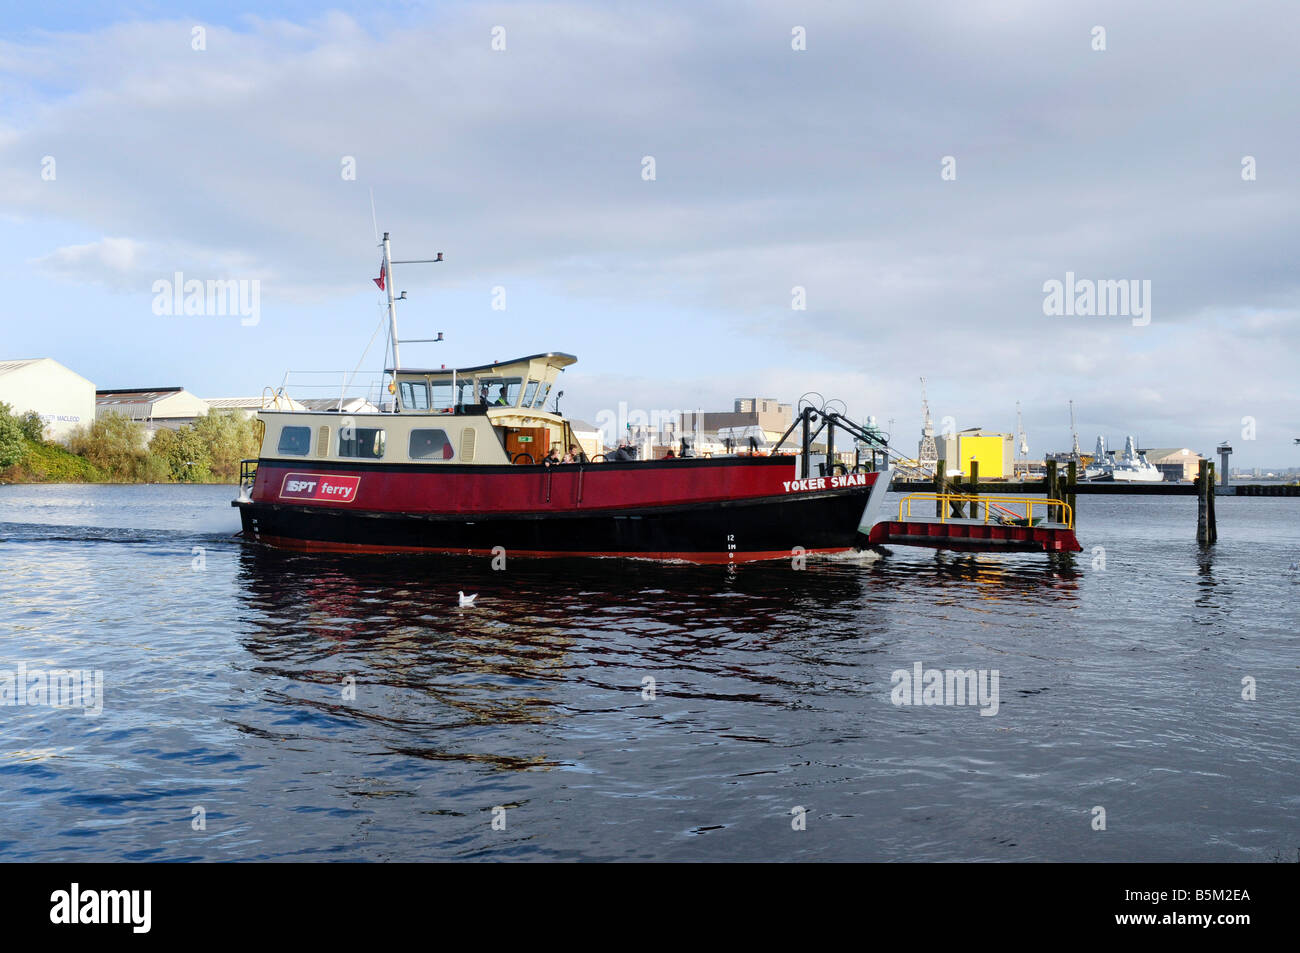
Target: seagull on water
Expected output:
[466,602]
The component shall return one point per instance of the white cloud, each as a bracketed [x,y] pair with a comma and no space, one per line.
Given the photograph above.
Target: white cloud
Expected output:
[775,169]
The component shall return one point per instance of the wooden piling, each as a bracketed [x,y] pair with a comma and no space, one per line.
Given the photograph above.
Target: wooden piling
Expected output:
[1071,478]
[1203,491]
[1213,522]
[940,474]
[974,482]
[1052,488]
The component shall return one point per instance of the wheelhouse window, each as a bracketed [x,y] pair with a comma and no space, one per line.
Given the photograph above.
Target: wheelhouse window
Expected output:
[441,396]
[465,392]
[295,441]
[364,442]
[430,444]
[530,394]
[415,395]
[541,397]
[499,391]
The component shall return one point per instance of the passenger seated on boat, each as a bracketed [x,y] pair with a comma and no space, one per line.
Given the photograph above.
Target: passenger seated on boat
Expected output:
[575,455]
[623,454]
[552,458]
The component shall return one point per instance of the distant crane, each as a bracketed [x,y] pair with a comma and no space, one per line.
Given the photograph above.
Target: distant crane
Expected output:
[1022,442]
[1074,434]
[927,453]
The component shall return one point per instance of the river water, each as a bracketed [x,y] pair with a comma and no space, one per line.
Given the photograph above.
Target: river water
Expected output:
[261,705]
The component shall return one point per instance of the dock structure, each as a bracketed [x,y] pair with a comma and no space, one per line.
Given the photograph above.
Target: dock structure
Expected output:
[1207,530]
[1001,529]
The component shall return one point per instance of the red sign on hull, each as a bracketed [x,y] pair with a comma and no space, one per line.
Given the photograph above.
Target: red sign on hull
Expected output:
[321,487]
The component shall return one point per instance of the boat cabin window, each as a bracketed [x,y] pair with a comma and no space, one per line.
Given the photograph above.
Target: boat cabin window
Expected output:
[499,391]
[441,396]
[465,392]
[415,395]
[541,397]
[295,441]
[530,393]
[430,445]
[364,442]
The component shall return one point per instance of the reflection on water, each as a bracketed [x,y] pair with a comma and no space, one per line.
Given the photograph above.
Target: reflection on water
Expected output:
[325,707]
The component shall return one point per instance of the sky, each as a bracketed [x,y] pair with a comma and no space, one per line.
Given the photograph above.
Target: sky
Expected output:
[846,197]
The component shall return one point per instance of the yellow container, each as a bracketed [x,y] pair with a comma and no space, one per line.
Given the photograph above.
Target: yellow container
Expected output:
[987,450]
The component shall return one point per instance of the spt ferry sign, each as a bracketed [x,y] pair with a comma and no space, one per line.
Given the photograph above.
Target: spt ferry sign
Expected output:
[318,486]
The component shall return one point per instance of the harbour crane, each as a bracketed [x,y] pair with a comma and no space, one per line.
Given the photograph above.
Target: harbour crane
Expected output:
[927,453]
[1022,442]
[1074,434]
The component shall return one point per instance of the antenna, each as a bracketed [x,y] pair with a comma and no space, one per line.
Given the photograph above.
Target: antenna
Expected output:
[388,286]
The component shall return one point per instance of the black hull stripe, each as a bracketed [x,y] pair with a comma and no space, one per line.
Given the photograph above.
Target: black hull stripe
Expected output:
[772,524]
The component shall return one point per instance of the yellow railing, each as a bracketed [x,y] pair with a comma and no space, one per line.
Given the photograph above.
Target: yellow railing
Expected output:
[997,509]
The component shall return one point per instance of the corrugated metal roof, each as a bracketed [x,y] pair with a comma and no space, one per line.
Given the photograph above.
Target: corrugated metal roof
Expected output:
[7,366]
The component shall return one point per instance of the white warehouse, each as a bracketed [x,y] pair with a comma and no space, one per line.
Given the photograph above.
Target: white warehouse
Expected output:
[154,407]
[64,399]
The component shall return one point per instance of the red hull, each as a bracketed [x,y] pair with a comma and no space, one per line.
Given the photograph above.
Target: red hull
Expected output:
[488,490]
[726,510]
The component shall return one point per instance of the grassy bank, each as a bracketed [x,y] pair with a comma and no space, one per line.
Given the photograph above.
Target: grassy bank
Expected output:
[50,463]
[114,449]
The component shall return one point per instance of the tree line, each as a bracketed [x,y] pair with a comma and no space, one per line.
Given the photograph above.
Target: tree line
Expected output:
[117,449]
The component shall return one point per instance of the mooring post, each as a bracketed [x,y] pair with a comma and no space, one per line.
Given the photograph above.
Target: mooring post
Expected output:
[1209,499]
[940,471]
[1203,504]
[1071,477]
[974,482]
[1052,488]
[956,508]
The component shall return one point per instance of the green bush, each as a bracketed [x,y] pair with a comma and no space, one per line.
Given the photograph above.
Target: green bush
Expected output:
[113,448]
[49,462]
[183,454]
[113,443]
[12,444]
[32,426]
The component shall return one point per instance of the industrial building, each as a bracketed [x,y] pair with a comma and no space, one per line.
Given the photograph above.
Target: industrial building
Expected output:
[64,399]
[994,451]
[768,415]
[248,407]
[344,405]
[1176,463]
[154,408]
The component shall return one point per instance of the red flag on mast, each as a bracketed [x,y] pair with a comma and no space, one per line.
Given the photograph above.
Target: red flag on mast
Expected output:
[380,280]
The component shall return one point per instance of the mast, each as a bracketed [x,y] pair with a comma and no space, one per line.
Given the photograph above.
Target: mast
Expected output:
[392,301]
[392,304]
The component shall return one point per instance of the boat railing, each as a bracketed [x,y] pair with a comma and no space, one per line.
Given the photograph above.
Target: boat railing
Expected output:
[247,477]
[997,509]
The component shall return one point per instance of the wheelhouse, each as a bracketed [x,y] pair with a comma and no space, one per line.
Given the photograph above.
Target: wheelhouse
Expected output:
[489,414]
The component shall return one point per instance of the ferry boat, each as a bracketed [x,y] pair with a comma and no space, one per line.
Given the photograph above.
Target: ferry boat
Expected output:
[456,463]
